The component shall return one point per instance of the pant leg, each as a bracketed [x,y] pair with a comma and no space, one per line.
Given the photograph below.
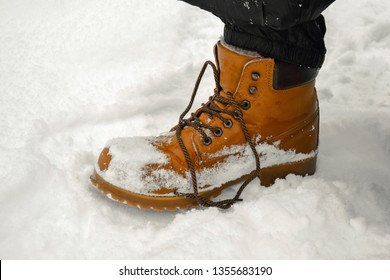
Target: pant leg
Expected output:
[302,44]
[287,30]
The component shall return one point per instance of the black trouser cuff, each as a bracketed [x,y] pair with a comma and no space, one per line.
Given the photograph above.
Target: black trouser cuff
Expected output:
[282,51]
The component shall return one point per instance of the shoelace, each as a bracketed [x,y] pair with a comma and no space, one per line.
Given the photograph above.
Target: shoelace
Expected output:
[213,110]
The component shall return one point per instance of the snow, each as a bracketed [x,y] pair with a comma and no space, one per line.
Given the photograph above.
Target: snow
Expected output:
[74,74]
[131,156]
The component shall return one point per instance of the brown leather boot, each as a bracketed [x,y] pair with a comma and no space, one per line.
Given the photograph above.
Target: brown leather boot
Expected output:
[262,121]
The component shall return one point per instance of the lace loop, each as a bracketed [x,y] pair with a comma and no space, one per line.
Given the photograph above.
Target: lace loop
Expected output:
[212,109]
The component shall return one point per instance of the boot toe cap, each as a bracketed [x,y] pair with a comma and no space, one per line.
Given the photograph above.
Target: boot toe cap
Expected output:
[126,163]
[104,159]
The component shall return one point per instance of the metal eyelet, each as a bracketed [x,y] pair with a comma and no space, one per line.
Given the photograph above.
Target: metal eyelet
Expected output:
[245,104]
[237,114]
[218,132]
[255,76]
[228,123]
[252,90]
[207,141]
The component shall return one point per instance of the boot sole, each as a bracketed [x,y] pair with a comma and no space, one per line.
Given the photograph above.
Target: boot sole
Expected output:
[172,203]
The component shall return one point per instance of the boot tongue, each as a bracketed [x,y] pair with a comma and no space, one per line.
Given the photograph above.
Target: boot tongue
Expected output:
[230,65]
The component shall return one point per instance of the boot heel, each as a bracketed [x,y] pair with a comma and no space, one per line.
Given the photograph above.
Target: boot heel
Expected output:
[302,168]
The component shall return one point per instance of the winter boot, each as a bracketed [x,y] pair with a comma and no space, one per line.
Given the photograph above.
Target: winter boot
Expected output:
[262,122]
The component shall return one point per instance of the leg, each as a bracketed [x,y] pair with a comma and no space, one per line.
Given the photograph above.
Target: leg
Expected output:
[290,31]
[262,122]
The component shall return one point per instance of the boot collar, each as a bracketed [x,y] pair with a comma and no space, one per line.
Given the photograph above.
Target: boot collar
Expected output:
[230,65]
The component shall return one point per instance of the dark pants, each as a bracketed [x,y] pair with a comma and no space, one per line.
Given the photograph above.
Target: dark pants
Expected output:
[286,30]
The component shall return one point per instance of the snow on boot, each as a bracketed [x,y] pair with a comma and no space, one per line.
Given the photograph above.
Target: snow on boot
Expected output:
[262,122]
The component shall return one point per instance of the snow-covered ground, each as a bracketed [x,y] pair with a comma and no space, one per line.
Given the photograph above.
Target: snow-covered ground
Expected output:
[74,74]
